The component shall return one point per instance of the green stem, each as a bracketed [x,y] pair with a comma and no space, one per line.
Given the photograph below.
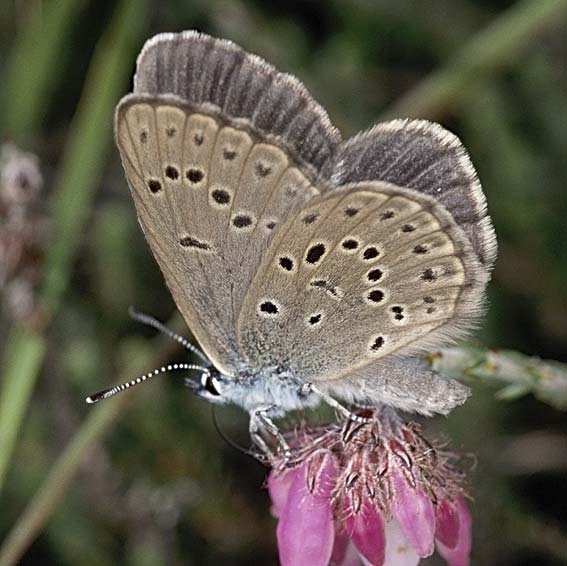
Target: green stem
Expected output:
[88,144]
[35,66]
[31,78]
[83,161]
[499,45]
[44,503]
[51,492]
[24,354]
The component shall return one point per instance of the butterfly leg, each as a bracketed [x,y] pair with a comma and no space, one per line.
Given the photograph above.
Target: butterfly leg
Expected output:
[260,443]
[308,388]
[261,420]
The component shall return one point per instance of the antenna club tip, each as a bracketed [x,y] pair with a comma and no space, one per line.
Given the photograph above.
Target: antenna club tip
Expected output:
[90,400]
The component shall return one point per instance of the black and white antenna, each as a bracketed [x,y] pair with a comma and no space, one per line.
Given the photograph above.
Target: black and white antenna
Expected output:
[111,391]
[154,323]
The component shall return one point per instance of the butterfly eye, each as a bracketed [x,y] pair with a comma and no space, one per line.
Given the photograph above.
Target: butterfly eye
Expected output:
[210,384]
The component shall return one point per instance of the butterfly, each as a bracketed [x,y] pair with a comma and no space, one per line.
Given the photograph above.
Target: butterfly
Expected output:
[307,267]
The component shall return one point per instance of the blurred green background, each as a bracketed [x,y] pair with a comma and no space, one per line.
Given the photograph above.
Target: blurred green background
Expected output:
[145,479]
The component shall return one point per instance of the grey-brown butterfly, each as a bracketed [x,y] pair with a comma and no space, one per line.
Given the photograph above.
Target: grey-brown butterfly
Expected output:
[307,267]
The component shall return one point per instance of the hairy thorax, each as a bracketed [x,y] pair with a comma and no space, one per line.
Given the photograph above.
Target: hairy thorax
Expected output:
[270,387]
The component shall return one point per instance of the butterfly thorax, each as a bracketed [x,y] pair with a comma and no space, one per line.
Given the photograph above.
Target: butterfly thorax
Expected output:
[272,386]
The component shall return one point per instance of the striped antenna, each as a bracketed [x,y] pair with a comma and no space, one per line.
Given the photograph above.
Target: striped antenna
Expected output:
[154,323]
[110,392]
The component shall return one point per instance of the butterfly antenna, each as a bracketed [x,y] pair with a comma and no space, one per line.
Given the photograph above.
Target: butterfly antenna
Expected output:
[111,391]
[154,323]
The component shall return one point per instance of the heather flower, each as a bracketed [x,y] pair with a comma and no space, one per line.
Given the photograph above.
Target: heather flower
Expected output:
[24,230]
[20,180]
[369,494]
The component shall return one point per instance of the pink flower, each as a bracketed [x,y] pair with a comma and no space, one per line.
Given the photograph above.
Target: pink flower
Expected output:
[368,494]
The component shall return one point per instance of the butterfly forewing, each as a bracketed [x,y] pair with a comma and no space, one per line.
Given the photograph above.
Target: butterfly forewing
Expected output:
[361,273]
[210,197]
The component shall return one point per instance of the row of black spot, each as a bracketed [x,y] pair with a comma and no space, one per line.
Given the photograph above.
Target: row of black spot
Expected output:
[375,295]
[193,175]
[198,139]
[242,220]
[351,244]
[271,308]
[316,252]
[220,196]
[351,211]
[372,252]
[262,169]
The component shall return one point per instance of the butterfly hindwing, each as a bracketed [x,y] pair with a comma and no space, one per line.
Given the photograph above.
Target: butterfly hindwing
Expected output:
[407,383]
[364,272]
[426,157]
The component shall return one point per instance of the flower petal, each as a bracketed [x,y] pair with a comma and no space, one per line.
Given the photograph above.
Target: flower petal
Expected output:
[340,546]
[459,555]
[399,551]
[366,529]
[278,488]
[415,513]
[305,530]
[353,558]
[344,552]
[447,528]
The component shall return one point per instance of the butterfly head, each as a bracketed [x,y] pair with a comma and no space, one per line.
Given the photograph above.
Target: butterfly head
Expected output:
[211,386]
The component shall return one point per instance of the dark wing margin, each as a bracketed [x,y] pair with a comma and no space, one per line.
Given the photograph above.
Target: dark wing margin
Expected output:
[216,74]
[425,157]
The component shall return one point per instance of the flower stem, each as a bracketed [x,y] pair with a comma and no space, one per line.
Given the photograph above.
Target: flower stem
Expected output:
[514,373]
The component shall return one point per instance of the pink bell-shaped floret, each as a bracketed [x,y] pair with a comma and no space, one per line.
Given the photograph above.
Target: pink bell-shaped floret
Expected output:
[399,551]
[366,529]
[306,530]
[454,532]
[415,513]
[278,488]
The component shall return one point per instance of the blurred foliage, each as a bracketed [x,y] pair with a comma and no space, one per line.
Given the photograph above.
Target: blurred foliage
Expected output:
[162,487]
